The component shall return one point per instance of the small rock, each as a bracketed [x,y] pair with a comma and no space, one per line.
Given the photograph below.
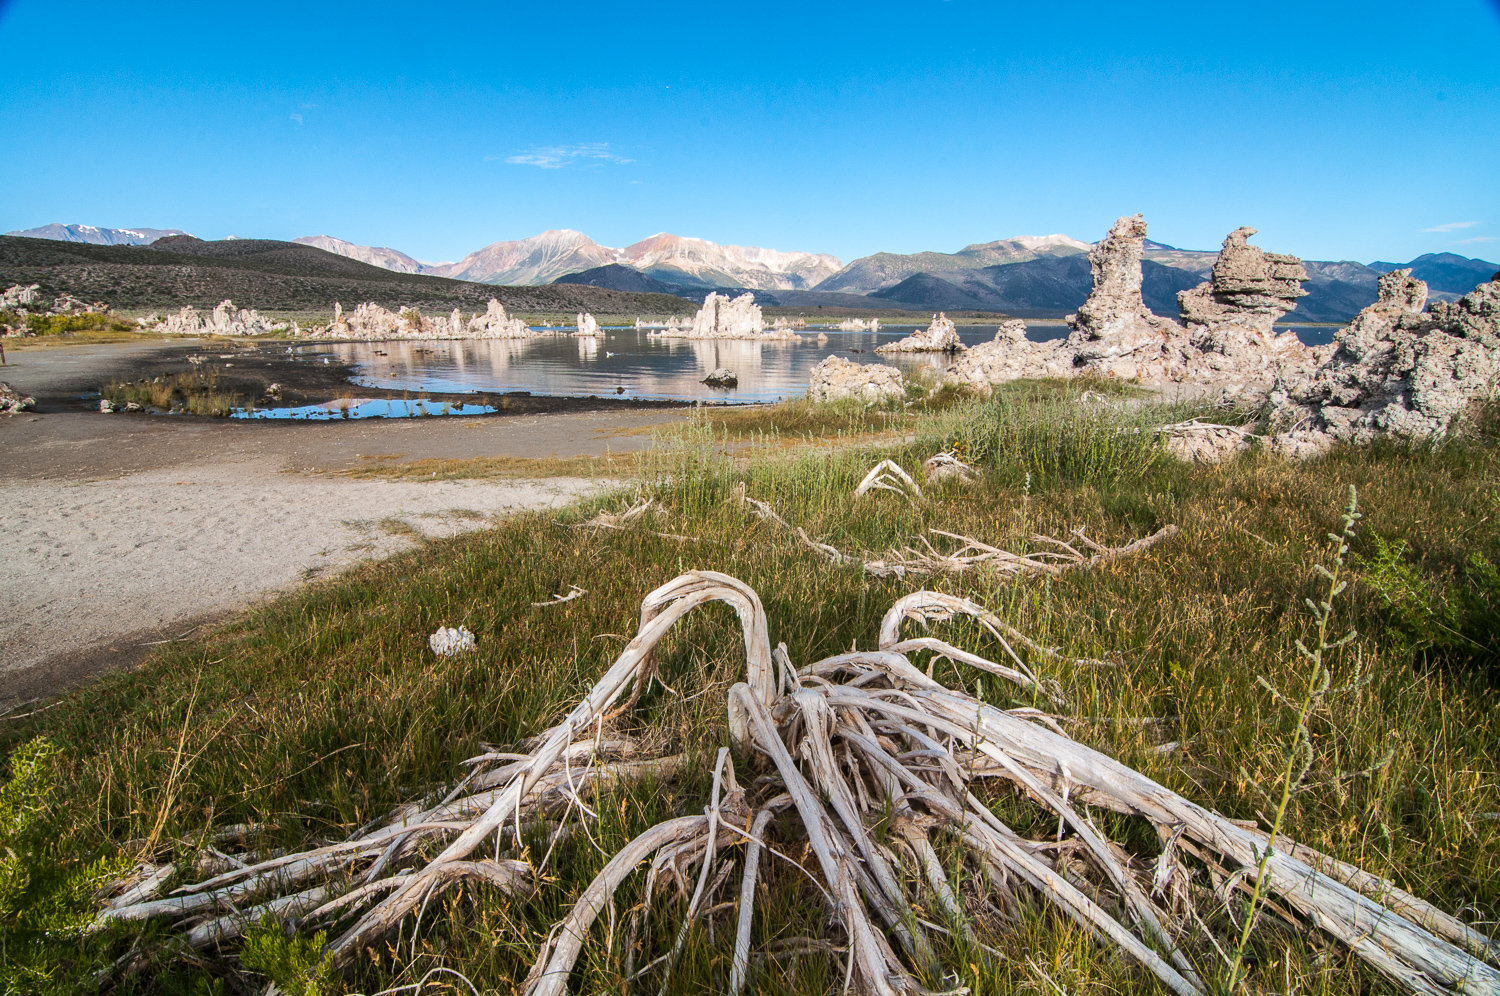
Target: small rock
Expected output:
[721,377]
[106,406]
[449,642]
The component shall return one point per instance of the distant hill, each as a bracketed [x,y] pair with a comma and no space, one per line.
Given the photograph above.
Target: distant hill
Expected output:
[1050,277]
[1445,272]
[98,236]
[618,277]
[380,256]
[275,276]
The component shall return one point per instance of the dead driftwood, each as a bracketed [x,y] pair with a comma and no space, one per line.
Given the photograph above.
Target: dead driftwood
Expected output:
[972,554]
[573,592]
[887,475]
[841,747]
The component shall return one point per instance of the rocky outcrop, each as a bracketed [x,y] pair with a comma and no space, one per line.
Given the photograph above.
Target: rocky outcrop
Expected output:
[722,317]
[1009,356]
[225,319]
[495,324]
[836,378]
[1395,371]
[1249,287]
[1114,333]
[18,296]
[939,337]
[859,325]
[371,321]
[587,326]
[1230,319]
[13,401]
[721,377]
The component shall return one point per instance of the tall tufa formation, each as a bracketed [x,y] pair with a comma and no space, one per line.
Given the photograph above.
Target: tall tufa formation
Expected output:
[1249,287]
[723,317]
[588,327]
[1114,333]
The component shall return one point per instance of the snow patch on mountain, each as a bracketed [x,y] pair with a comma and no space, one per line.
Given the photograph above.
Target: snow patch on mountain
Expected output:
[94,235]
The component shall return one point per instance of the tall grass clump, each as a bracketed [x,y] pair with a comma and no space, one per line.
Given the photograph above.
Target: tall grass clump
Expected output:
[1048,434]
[197,391]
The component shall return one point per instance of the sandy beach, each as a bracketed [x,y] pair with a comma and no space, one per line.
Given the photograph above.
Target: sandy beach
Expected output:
[119,531]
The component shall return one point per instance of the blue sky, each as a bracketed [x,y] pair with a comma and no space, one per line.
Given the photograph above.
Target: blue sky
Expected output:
[1361,130]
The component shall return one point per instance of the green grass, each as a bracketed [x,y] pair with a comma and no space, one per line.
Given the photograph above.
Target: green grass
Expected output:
[320,710]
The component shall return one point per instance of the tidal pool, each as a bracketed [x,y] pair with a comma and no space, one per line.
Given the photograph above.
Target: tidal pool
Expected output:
[353,408]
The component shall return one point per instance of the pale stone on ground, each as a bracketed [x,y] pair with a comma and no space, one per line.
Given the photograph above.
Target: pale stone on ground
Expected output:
[837,378]
[225,319]
[371,321]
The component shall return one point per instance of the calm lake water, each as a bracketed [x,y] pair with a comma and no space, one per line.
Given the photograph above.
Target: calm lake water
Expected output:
[629,363]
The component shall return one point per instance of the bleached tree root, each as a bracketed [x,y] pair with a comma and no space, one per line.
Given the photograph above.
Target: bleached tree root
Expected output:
[843,747]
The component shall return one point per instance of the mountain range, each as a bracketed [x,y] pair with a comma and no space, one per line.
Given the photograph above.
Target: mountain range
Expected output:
[1027,276]
[670,259]
[99,236]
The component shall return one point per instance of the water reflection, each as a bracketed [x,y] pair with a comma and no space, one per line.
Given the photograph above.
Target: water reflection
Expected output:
[354,408]
[629,363]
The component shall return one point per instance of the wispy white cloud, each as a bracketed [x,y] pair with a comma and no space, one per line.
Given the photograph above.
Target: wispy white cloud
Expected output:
[559,156]
[1451,226]
[1478,238]
[295,117]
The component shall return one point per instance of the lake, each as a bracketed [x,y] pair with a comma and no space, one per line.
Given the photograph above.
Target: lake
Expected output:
[629,363]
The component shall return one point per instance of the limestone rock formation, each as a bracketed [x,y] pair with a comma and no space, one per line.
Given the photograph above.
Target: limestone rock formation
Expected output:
[1231,317]
[495,324]
[837,378]
[1009,356]
[1249,287]
[18,296]
[225,319]
[724,318]
[1114,333]
[859,325]
[721,377]
[371,321]
[13,401]
[587,326]
[1395,371]
[822,338]
[939,337]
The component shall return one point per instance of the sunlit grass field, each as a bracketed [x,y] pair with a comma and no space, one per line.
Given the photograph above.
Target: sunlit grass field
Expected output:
[323,709]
